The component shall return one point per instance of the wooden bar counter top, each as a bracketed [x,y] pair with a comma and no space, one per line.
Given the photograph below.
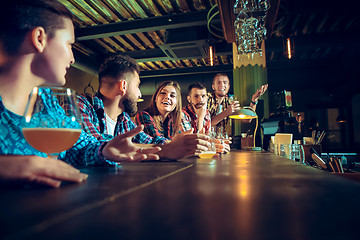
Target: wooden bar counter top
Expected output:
[240,195]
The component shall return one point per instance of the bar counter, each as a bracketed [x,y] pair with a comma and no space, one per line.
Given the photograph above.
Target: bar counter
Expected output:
[241,195]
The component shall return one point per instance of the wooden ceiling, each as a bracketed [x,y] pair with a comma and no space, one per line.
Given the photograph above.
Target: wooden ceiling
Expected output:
[171,36]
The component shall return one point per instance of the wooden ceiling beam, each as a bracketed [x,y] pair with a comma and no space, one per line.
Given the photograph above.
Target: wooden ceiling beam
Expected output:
[186,71]
[227,16]
[142,25]
[271,16]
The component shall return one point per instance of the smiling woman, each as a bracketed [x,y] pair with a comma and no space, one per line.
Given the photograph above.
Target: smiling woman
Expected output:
[166,100]
[164,117]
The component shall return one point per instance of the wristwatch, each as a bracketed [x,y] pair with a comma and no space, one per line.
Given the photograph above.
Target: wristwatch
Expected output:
[253,102]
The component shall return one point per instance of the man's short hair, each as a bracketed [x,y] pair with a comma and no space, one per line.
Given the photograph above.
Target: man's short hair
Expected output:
[116,66]
[18,17]
[195,85]
[219,75]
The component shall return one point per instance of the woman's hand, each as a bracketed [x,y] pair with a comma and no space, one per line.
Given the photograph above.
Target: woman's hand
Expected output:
[38,170]
[185,144]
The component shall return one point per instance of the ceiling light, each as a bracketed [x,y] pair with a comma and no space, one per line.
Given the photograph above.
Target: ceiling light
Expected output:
[289,49]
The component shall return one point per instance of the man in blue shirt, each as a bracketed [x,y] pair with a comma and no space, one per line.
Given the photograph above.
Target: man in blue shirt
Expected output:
[36,38]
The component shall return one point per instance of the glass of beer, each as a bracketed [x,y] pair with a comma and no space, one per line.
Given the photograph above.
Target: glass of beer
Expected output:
[209,153]
[212,150]
[52,121]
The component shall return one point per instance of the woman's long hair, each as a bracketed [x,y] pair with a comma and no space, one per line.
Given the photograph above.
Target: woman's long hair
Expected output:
[175,115]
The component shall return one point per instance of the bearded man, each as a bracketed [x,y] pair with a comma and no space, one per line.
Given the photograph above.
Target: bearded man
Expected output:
[197,114]
[108,113]
[196,111]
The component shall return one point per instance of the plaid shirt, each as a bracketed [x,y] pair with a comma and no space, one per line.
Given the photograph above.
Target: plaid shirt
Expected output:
[93,114]
[167,132]
[85,152]
[215,107]
[192,118]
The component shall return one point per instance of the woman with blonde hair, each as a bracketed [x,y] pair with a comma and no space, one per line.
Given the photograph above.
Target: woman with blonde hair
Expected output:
[164,116]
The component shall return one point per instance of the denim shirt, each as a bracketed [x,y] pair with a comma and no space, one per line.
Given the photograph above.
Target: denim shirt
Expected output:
[85,152]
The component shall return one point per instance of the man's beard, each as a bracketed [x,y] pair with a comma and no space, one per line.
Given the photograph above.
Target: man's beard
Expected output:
[198,105]
[130,106]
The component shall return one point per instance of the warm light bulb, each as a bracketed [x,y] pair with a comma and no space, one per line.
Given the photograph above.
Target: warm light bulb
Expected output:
[211,55]
[288,47]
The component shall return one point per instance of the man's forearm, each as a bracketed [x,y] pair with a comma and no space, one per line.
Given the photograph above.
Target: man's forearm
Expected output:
[218,118]
[253,106]
[200,123]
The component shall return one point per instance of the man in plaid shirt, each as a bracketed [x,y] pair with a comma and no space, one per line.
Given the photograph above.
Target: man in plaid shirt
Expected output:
[196,111]
[95,121]
[107,114]
[198,115]
[221,106]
